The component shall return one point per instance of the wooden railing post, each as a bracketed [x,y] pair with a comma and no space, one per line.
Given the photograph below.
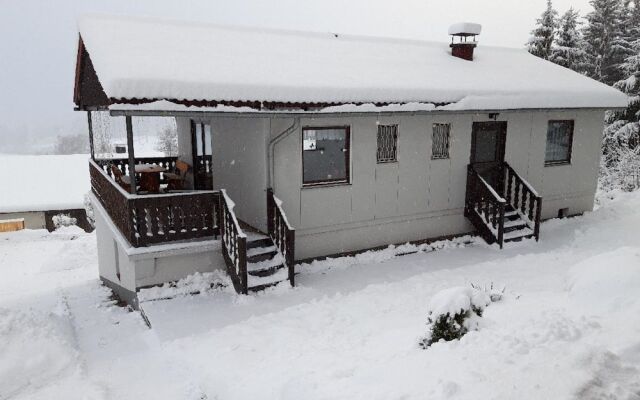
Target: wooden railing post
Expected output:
[536,230]
[242,264]
[291,245]
[270,211]
[501,226]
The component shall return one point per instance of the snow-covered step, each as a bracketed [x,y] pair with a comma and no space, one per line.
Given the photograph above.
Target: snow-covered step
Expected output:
[261,250]
[515,222]
[275,261]
[511,214]
[518,234]
[261,282]
[259,254]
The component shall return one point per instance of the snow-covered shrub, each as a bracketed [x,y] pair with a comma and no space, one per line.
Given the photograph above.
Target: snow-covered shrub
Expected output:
[494,293]
[88,209]
[620,169]
[61,220]
[454,312]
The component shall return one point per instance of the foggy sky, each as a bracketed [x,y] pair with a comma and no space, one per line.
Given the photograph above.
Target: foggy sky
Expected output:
[38,40]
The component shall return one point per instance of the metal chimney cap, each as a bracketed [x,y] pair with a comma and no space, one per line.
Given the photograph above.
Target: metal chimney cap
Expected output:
[465,29]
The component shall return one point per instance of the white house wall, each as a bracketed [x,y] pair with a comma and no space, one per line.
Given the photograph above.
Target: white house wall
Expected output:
[151,265]
[418,197]
[240,165]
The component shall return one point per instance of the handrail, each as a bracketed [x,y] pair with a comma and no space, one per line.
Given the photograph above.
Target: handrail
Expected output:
[523,198]
[484,207]
[281,232]
[234,243]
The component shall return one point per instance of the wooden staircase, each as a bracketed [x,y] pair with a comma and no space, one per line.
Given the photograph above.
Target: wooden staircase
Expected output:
[508,211]
[256,261]
[265,263]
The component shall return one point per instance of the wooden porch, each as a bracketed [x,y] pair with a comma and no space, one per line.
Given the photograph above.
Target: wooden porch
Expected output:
[254,261]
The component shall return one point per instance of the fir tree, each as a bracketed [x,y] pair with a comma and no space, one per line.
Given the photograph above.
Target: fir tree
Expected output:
[604,35]
[568,49]
[621,142]
[542,35]
[626,123]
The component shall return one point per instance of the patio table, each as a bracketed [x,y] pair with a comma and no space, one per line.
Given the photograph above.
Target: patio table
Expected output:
[150,177]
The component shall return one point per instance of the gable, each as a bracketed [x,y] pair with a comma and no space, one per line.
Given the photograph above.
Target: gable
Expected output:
[88,92]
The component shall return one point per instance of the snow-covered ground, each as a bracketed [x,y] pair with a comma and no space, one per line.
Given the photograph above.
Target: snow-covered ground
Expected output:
[567,327]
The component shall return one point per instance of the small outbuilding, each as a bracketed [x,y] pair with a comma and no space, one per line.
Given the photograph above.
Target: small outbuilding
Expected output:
[39,192]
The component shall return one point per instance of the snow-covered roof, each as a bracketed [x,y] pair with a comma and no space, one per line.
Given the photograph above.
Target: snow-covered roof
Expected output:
[151,59]
[43,183]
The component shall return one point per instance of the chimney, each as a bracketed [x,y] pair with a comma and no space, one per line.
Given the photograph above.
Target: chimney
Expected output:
[462,47]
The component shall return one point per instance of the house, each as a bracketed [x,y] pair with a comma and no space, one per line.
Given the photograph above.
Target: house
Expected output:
[303,145]
[38,189]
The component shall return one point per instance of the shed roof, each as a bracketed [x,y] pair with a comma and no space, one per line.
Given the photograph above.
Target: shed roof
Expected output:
[140,60]
[43,183]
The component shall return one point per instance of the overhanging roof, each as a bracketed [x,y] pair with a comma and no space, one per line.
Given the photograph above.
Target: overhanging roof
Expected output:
[136,60]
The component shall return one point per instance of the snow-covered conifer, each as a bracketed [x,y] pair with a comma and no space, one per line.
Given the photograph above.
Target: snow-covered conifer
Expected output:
[606,47]
[541,41]
[568,49]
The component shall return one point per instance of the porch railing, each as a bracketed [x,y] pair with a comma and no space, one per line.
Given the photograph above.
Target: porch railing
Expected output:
[281,232]
[152,219]
[234,243]
[484,207]
[169,163]
[523,198]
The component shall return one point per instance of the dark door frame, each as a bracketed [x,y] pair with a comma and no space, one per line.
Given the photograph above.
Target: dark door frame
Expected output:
[200,179]
[490,170]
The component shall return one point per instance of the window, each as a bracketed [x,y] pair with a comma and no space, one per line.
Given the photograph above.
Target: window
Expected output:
[559,142]
[387,143]
[325,155]
[440,143]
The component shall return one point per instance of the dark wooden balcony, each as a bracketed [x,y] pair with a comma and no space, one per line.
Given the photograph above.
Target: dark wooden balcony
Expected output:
[152,219]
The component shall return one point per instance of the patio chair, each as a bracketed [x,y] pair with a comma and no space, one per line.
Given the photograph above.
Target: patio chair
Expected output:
[176,180]
[120,178]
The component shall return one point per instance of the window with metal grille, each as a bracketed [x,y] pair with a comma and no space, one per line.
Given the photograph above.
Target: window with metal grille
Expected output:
[559,143]
[387,143]
[440,143]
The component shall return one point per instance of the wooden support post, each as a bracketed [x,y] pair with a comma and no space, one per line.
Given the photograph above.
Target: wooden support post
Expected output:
[90,123]
[194,155]
[132,159]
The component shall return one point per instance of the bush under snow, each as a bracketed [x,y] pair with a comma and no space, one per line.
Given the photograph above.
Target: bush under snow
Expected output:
[63,220]
[454,312]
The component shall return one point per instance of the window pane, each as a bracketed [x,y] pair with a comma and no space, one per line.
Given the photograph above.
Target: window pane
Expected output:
[559,141]
[440,142]
[325,154]
[198,137]
[207,140]
[387,143]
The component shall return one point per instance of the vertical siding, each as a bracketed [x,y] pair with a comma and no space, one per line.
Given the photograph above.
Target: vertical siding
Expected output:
[418,187]
[240,164]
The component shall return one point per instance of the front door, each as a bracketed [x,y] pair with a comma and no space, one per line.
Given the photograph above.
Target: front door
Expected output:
[488,141]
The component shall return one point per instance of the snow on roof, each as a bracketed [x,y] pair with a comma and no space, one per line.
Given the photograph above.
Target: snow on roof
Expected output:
[158,59]
[42,183]
[465,27]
